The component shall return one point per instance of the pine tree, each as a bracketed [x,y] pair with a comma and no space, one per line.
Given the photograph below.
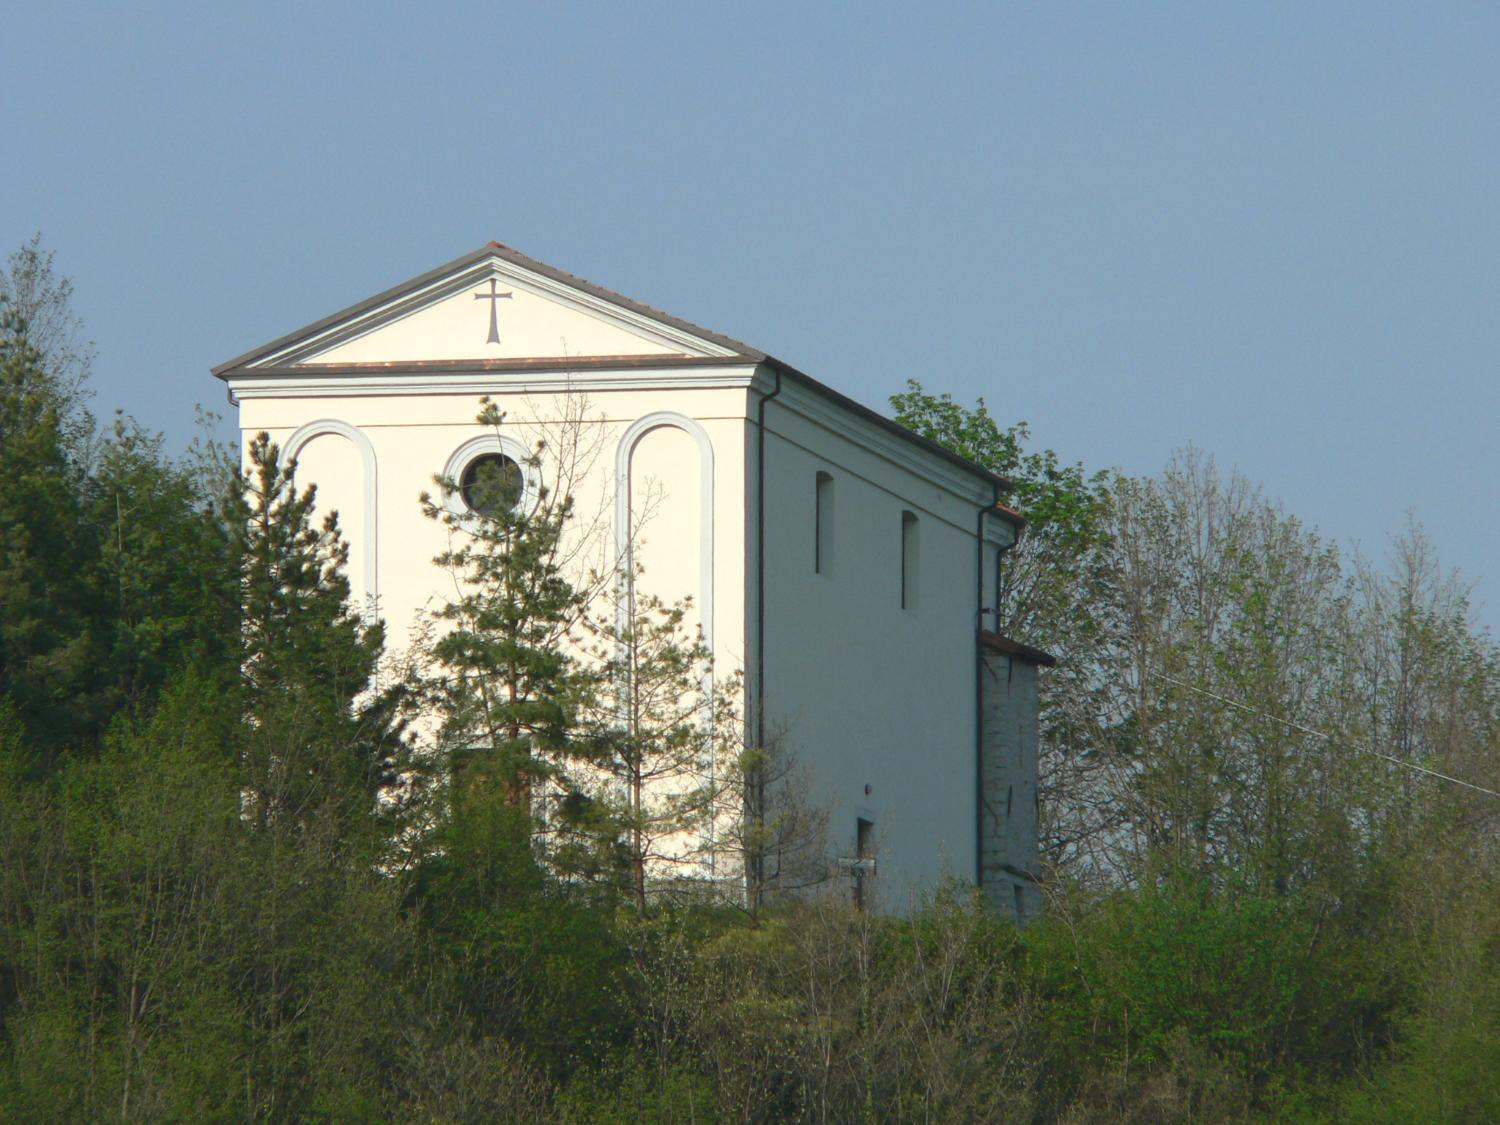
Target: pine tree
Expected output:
[320,736]
[168,574]
[508,686]
[116,563]
[43,300]
[50,644]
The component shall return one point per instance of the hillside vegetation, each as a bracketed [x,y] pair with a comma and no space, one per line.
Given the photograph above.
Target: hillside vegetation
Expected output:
[253,869]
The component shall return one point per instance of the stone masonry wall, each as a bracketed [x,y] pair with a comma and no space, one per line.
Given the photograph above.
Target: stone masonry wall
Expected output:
[1008,785]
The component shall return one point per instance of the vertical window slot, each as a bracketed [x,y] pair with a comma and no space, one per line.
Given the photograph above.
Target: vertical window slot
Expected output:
[910,559]
[823,526]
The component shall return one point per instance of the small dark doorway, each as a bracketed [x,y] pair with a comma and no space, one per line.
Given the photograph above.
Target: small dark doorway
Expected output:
[864,860]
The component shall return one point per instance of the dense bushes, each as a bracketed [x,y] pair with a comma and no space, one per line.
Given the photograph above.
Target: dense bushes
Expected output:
[229,890]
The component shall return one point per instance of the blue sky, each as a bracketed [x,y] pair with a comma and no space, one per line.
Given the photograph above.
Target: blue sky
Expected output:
[1273,232]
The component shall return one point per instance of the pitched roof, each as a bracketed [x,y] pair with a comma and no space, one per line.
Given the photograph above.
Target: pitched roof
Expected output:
[740,352]
[999,643]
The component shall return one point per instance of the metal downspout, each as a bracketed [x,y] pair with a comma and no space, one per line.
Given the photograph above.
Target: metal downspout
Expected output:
[760,562]
[760,598]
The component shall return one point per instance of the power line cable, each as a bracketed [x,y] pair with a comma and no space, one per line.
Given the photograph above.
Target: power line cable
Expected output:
[1238,706]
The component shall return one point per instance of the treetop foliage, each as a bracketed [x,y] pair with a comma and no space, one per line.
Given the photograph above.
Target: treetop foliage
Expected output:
[253,868]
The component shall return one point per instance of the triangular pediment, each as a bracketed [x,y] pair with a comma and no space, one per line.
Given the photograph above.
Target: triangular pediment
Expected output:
[494,307]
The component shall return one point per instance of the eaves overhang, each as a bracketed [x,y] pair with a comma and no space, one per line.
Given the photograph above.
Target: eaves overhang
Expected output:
[479,366]
[997,642]
[1003,483]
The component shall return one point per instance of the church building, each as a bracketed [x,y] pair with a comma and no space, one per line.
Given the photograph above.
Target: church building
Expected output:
[846,567]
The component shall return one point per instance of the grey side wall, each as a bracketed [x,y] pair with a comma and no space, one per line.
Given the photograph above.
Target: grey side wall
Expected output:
[1008,858]
[874,698]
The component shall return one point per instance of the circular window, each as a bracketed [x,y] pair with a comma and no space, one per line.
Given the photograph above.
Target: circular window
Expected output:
[491,483]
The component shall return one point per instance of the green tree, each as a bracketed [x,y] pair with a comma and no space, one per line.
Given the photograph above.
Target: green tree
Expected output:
[321,733]
[43,299]
[199,918]
[1055,574]
[1059,593]
[313,939]
[116,562]
[665,745]
[531,951]
[50,634]
[168,569]
[508,686]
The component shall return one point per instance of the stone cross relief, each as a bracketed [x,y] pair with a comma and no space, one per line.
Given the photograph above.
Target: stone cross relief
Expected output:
[494,297]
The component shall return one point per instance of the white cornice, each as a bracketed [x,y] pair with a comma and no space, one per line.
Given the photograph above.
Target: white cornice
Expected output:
[247,385]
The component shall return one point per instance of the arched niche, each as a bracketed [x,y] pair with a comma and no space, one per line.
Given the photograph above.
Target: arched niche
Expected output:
[703,596]
[369,536]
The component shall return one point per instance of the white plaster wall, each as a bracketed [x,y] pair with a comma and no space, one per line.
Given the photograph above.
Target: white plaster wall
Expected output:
[457,327]
[666,515]
[867,693]
[871,694]
[333,458]
[413,436]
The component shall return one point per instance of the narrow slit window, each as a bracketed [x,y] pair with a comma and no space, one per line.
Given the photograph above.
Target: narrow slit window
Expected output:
[910,552]
[823,526]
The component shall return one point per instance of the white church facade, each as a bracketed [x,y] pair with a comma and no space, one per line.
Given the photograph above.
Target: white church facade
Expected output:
[847,567]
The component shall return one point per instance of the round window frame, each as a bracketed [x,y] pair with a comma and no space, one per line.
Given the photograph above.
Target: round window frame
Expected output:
[475,448]
[514,487]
